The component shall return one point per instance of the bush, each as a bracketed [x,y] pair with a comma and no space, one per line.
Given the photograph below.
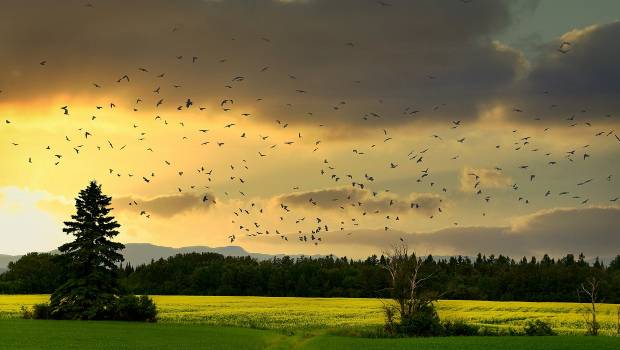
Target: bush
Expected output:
[460,328]
[390,325]
[489,331]
[512,332]
[121,308]
[134,308]
[38,312]
[538,328]
[26,312]
[41,311]
[425,323]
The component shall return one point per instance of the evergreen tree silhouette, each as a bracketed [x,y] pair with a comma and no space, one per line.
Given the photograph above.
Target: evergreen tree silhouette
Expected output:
[92,286]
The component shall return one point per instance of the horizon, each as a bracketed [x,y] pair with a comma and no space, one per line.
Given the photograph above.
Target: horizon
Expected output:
[457,127]
[253,254]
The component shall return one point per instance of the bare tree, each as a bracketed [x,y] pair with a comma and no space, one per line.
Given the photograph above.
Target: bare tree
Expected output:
[590,289]
[407,280]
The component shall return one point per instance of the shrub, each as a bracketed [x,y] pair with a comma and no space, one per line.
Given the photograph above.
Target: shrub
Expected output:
[424,322]
[26,312]
[41,311]
[115,308]
[135,308]
[538,328]
[460,328]
[618,318]
[486,331]
[358,332]
[390,324]
[38,312]
[499,332]
[513,332]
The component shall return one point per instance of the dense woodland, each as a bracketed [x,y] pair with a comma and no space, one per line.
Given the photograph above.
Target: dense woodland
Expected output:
[483,278]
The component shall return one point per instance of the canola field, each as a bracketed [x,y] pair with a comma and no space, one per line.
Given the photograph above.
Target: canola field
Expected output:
[340,313]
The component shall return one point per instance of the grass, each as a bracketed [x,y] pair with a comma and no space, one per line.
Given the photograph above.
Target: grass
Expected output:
[464,343]
[322,313]
[41,334]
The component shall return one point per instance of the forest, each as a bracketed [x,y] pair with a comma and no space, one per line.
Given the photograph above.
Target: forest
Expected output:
[482,278]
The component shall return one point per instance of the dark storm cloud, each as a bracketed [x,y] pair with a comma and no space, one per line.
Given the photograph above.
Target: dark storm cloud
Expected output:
[164,206]
[363,201]
[593,231]
[434,56]
[351,57]
[585,80]
[589,67]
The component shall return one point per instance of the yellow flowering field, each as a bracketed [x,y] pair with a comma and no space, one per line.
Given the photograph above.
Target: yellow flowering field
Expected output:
[315,313]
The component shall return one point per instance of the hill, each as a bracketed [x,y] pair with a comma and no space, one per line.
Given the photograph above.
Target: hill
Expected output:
[142,253]
[5,260]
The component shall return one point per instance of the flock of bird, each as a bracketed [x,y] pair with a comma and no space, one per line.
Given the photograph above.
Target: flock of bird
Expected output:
[249,219]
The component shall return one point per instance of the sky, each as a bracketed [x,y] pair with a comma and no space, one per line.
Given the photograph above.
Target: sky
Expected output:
[315,126]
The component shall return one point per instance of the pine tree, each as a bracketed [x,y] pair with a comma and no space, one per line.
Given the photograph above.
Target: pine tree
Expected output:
[92,287]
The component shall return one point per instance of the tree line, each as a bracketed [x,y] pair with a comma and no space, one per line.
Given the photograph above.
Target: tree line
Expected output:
[481,278]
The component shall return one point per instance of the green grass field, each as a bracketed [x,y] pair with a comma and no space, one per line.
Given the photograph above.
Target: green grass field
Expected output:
[324,313]
[37,334]
[190,322]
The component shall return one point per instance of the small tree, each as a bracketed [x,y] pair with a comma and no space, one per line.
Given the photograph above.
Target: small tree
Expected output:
[412,302]
[590,289]
[92,287]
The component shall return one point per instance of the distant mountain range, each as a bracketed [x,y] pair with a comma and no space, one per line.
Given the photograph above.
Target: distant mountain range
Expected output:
[5,260]
[142,253]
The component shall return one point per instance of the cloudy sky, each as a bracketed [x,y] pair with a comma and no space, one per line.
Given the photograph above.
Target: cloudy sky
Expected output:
[315,126]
